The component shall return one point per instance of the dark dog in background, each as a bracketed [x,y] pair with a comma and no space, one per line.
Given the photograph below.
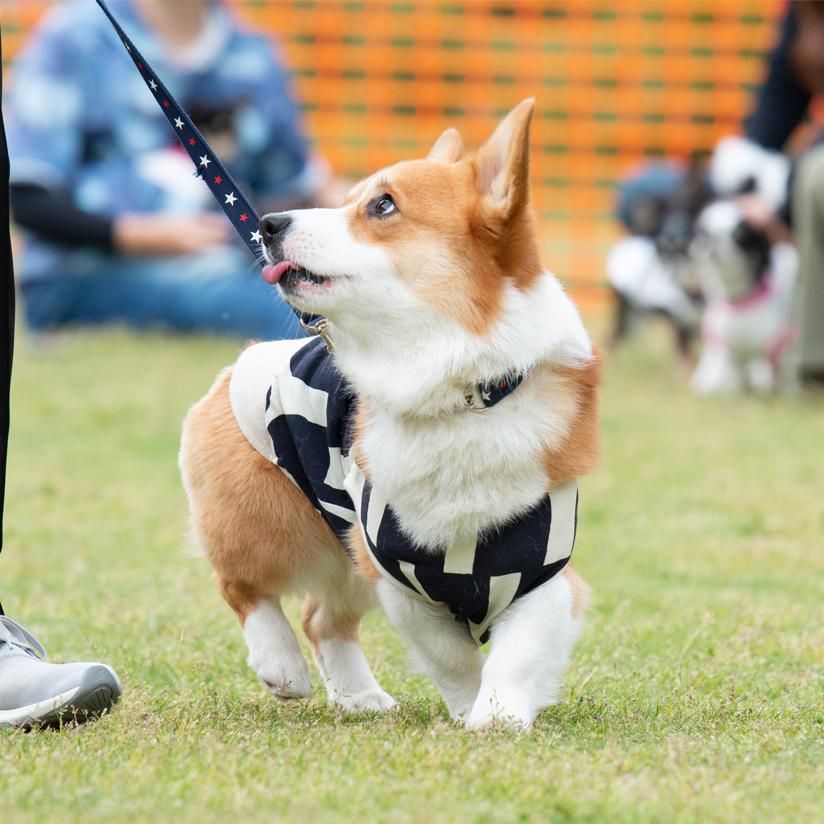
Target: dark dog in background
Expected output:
[650,271]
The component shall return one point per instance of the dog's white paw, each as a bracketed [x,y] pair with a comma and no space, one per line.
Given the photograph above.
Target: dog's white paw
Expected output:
[484,721]
[490,711]
[274,653]
[371,700]
[286,679]
[459,714]
[459,702]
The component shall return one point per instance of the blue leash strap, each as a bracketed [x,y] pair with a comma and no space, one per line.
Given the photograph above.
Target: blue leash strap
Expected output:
[227,193]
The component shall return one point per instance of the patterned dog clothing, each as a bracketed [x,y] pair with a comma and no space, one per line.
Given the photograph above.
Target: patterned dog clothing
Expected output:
[307,417]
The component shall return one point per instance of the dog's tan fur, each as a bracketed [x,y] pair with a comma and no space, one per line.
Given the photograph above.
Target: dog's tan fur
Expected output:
[580,590]
[472,247]
[580,452]
[363,560]
[260,532]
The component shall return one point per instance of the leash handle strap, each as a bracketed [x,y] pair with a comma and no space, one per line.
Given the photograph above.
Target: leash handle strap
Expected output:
[227,193]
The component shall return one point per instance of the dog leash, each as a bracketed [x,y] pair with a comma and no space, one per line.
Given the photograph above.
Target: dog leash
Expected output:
[229,196]
[242,215]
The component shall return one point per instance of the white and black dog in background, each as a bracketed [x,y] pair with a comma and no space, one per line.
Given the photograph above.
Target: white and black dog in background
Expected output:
[748,284]
[707,266]
[747,280]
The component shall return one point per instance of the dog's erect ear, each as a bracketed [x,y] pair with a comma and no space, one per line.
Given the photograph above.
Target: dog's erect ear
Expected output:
[502,163]
[448,147]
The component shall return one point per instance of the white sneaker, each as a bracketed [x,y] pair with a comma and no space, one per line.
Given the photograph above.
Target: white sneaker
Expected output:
[35,693]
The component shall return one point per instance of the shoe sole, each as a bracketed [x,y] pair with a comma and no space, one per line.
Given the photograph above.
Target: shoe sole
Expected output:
[98,691]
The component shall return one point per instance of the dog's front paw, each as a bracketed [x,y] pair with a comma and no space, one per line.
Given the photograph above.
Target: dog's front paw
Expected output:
[492,712]
[372,700]
[485,721]
[285,679]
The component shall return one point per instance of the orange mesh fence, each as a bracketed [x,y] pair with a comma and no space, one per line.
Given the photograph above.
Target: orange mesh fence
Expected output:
[615,83]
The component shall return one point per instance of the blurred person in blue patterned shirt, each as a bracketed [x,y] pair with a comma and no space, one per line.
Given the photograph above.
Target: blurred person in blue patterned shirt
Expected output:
[117,226]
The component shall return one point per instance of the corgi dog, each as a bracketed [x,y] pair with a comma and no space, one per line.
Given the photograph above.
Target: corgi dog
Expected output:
[430,462]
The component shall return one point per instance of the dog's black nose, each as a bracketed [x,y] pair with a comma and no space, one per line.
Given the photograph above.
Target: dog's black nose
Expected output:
[272,225]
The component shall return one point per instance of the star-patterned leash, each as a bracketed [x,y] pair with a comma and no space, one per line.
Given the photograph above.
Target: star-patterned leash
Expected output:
[227,193]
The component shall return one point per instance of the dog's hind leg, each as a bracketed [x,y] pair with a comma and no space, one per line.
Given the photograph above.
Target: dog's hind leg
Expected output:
[260,533]
[331,615]
[274,653]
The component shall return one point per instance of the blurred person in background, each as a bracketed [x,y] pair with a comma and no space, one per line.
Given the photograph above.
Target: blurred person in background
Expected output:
[782,202]
[117,227]
[795,75]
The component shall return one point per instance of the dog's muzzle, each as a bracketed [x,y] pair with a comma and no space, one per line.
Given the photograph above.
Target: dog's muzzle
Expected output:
[272,228]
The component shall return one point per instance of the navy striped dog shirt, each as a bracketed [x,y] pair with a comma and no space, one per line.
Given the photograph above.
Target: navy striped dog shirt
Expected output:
[308,415]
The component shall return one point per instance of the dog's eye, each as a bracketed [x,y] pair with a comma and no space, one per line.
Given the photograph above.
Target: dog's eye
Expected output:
[382,206]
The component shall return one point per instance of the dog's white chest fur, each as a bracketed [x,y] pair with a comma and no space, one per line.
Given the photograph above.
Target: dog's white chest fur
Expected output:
[452,474]
[450,478]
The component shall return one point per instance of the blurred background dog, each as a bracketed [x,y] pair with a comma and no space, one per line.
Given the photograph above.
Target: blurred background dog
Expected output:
[696,257]
[650,272]
[747,284]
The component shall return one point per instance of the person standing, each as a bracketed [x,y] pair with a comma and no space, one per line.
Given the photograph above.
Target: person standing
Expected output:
[795,75]
[33,691]
[783,196]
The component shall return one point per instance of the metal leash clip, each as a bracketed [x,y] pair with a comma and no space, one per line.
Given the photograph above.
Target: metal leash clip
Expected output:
[473,399]
[321,329]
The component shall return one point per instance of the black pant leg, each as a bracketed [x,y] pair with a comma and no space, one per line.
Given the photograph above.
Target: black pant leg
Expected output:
[6,308]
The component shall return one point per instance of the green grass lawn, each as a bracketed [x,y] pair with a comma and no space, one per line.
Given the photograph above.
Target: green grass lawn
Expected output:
[695,693]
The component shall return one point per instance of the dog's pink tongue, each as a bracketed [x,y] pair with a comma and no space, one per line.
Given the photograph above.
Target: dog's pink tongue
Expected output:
[274,271]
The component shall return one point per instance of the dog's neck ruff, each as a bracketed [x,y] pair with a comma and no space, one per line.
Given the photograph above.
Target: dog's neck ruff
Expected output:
[477,396]
[415,363]
[304,425]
